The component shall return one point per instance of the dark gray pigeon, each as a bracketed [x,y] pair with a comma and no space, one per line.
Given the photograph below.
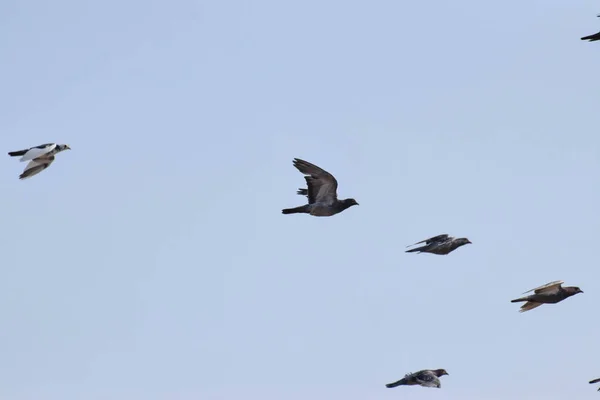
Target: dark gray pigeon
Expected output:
[549,293]
[594,37]
[595,381]
[39,157]
[426,378]
[440,244]
[321,192]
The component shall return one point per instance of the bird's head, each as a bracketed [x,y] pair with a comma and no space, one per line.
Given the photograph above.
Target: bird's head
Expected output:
[573,290]
[349,203]
[64,147]
[440,372]
[462,241]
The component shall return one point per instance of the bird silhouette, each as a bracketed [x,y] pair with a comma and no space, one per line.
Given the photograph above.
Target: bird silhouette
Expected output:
[426,378]
[549,293]
[440,244]
[321,192]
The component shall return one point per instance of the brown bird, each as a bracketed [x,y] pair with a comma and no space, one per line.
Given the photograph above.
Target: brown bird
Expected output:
[594,381]
[440,244]
[549,293]
[426,378]
[594,37]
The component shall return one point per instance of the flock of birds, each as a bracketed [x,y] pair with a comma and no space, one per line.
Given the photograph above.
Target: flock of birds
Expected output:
[322,197]
[321,192]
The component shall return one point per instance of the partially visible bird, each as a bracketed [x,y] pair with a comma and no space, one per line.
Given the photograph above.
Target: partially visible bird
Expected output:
[549,293]
[39,157]
[321,192]
[595,381]
[594,37]
[440,244]
[426,378]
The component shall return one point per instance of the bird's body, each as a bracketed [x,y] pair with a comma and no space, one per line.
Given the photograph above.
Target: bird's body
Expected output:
[440,245]
[550,293]
[39,157]
[426,378]
[321,192]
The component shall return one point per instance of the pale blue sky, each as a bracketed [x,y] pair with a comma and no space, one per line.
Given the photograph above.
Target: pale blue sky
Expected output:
[152,261]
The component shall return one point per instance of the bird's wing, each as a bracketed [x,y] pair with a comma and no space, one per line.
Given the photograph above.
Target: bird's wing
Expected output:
[38,151]
[428,379]
[530,305]
[595,380]
[438,238]
[34,167]
[322,186]
[547,288]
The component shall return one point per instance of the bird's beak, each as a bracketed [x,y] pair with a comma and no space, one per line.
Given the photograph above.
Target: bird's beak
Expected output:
[67,147]
[468,241]
[580,291]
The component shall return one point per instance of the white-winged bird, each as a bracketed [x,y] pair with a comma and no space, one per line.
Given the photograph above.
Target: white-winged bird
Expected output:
[321,192]
[39,157]
[549,293]
[426,378]
[440,244]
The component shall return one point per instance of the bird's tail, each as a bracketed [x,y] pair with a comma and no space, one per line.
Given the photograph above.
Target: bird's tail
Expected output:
[296,210]
[397,383]
[591,38]
[413,250]
[18,153]
[519,299]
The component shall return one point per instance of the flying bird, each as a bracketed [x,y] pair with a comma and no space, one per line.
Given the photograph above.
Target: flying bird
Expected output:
[39,157]
[549,293]
[321,192]
[440,244]
[594,37]
[426,378]
[595,381]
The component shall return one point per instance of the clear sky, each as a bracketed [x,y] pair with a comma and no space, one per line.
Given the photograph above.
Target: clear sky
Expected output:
[152,262]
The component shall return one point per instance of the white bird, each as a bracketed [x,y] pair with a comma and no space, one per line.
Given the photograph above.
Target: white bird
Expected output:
[39,157]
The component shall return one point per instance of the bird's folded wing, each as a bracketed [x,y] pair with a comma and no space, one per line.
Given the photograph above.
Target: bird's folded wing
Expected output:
[437,238]
[38,151]
[547,288]
[427,379]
